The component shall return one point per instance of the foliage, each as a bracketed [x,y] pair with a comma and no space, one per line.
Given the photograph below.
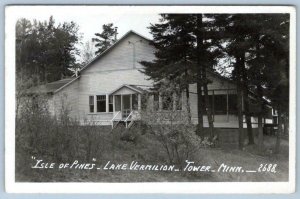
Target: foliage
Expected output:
[185,51]
[172,127]
[45,51]
[106,38]
[88,52]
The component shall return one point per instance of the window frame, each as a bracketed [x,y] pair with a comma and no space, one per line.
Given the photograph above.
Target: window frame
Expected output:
[91,104]
[224,110]
[110,103]
[100,100]
[167,99]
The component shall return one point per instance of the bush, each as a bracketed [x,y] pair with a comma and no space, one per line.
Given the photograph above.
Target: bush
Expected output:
[173,130]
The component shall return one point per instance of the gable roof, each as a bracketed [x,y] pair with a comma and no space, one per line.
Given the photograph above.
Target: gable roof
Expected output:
[111,47]
[56,86]
[137,88]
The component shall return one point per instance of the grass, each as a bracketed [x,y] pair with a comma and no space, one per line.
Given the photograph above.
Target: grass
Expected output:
[146,149]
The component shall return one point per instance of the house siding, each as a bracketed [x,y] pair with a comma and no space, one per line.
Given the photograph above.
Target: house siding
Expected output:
[111,71]
[116,68]
[218,86]
[121,57]
[66,99]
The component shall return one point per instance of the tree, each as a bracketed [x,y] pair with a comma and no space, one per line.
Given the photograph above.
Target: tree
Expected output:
[44,51]
[259,45]
[106,38]
[267,65]
[205,56]
[276,57]
[238,33]
[88,52]
[184,54]
[174,48]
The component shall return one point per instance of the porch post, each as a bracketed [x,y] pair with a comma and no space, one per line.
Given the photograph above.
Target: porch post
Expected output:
[130,102]
[114,103]
[139,101]
[121,109]
[107,106]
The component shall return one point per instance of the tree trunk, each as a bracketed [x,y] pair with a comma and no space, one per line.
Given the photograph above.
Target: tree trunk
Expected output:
[199,76]
[279,132]
[248,116]
[239,103]
[199,108]
[207,105]
[188,108]
[200,38]
[246,102]
[260,125]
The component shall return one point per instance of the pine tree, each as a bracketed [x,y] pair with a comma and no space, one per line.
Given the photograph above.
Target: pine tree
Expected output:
[185,53]
[269,64]
[205,56]
[259,45]
[106,38]
[88,52]
[238,30]
[45,51]
[174,49]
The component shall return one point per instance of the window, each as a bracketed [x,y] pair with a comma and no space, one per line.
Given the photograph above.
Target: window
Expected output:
[232,104]
[211,105]
[220,104]
[101,103]
[135,102]
[156,101]
[91,103]
[167,102]
[178,102]
[117,102]
[110,104]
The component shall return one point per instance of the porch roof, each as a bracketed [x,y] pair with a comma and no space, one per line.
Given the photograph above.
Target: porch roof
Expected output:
[137,88]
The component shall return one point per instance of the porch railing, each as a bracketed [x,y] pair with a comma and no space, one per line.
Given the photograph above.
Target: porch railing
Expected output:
[114,119]
[128,117]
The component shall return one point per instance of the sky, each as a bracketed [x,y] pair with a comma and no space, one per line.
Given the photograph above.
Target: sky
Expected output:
[91,18]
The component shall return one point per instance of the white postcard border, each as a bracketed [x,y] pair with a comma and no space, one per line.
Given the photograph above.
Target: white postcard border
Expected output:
[157,187]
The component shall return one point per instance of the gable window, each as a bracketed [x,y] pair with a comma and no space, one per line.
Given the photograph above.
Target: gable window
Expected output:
[91,104]
[110,104]
[101,103]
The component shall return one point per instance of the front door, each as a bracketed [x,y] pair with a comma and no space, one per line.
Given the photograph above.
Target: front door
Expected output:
[126,106]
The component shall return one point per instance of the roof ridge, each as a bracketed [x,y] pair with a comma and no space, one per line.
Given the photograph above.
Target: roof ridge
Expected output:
[112,46]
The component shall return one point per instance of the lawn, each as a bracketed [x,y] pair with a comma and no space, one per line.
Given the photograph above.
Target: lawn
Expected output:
[103,146]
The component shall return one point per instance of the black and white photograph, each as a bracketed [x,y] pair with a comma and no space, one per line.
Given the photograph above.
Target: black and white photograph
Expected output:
[167,95]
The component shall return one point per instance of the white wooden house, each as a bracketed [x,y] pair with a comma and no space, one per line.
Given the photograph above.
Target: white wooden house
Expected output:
[109,88]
